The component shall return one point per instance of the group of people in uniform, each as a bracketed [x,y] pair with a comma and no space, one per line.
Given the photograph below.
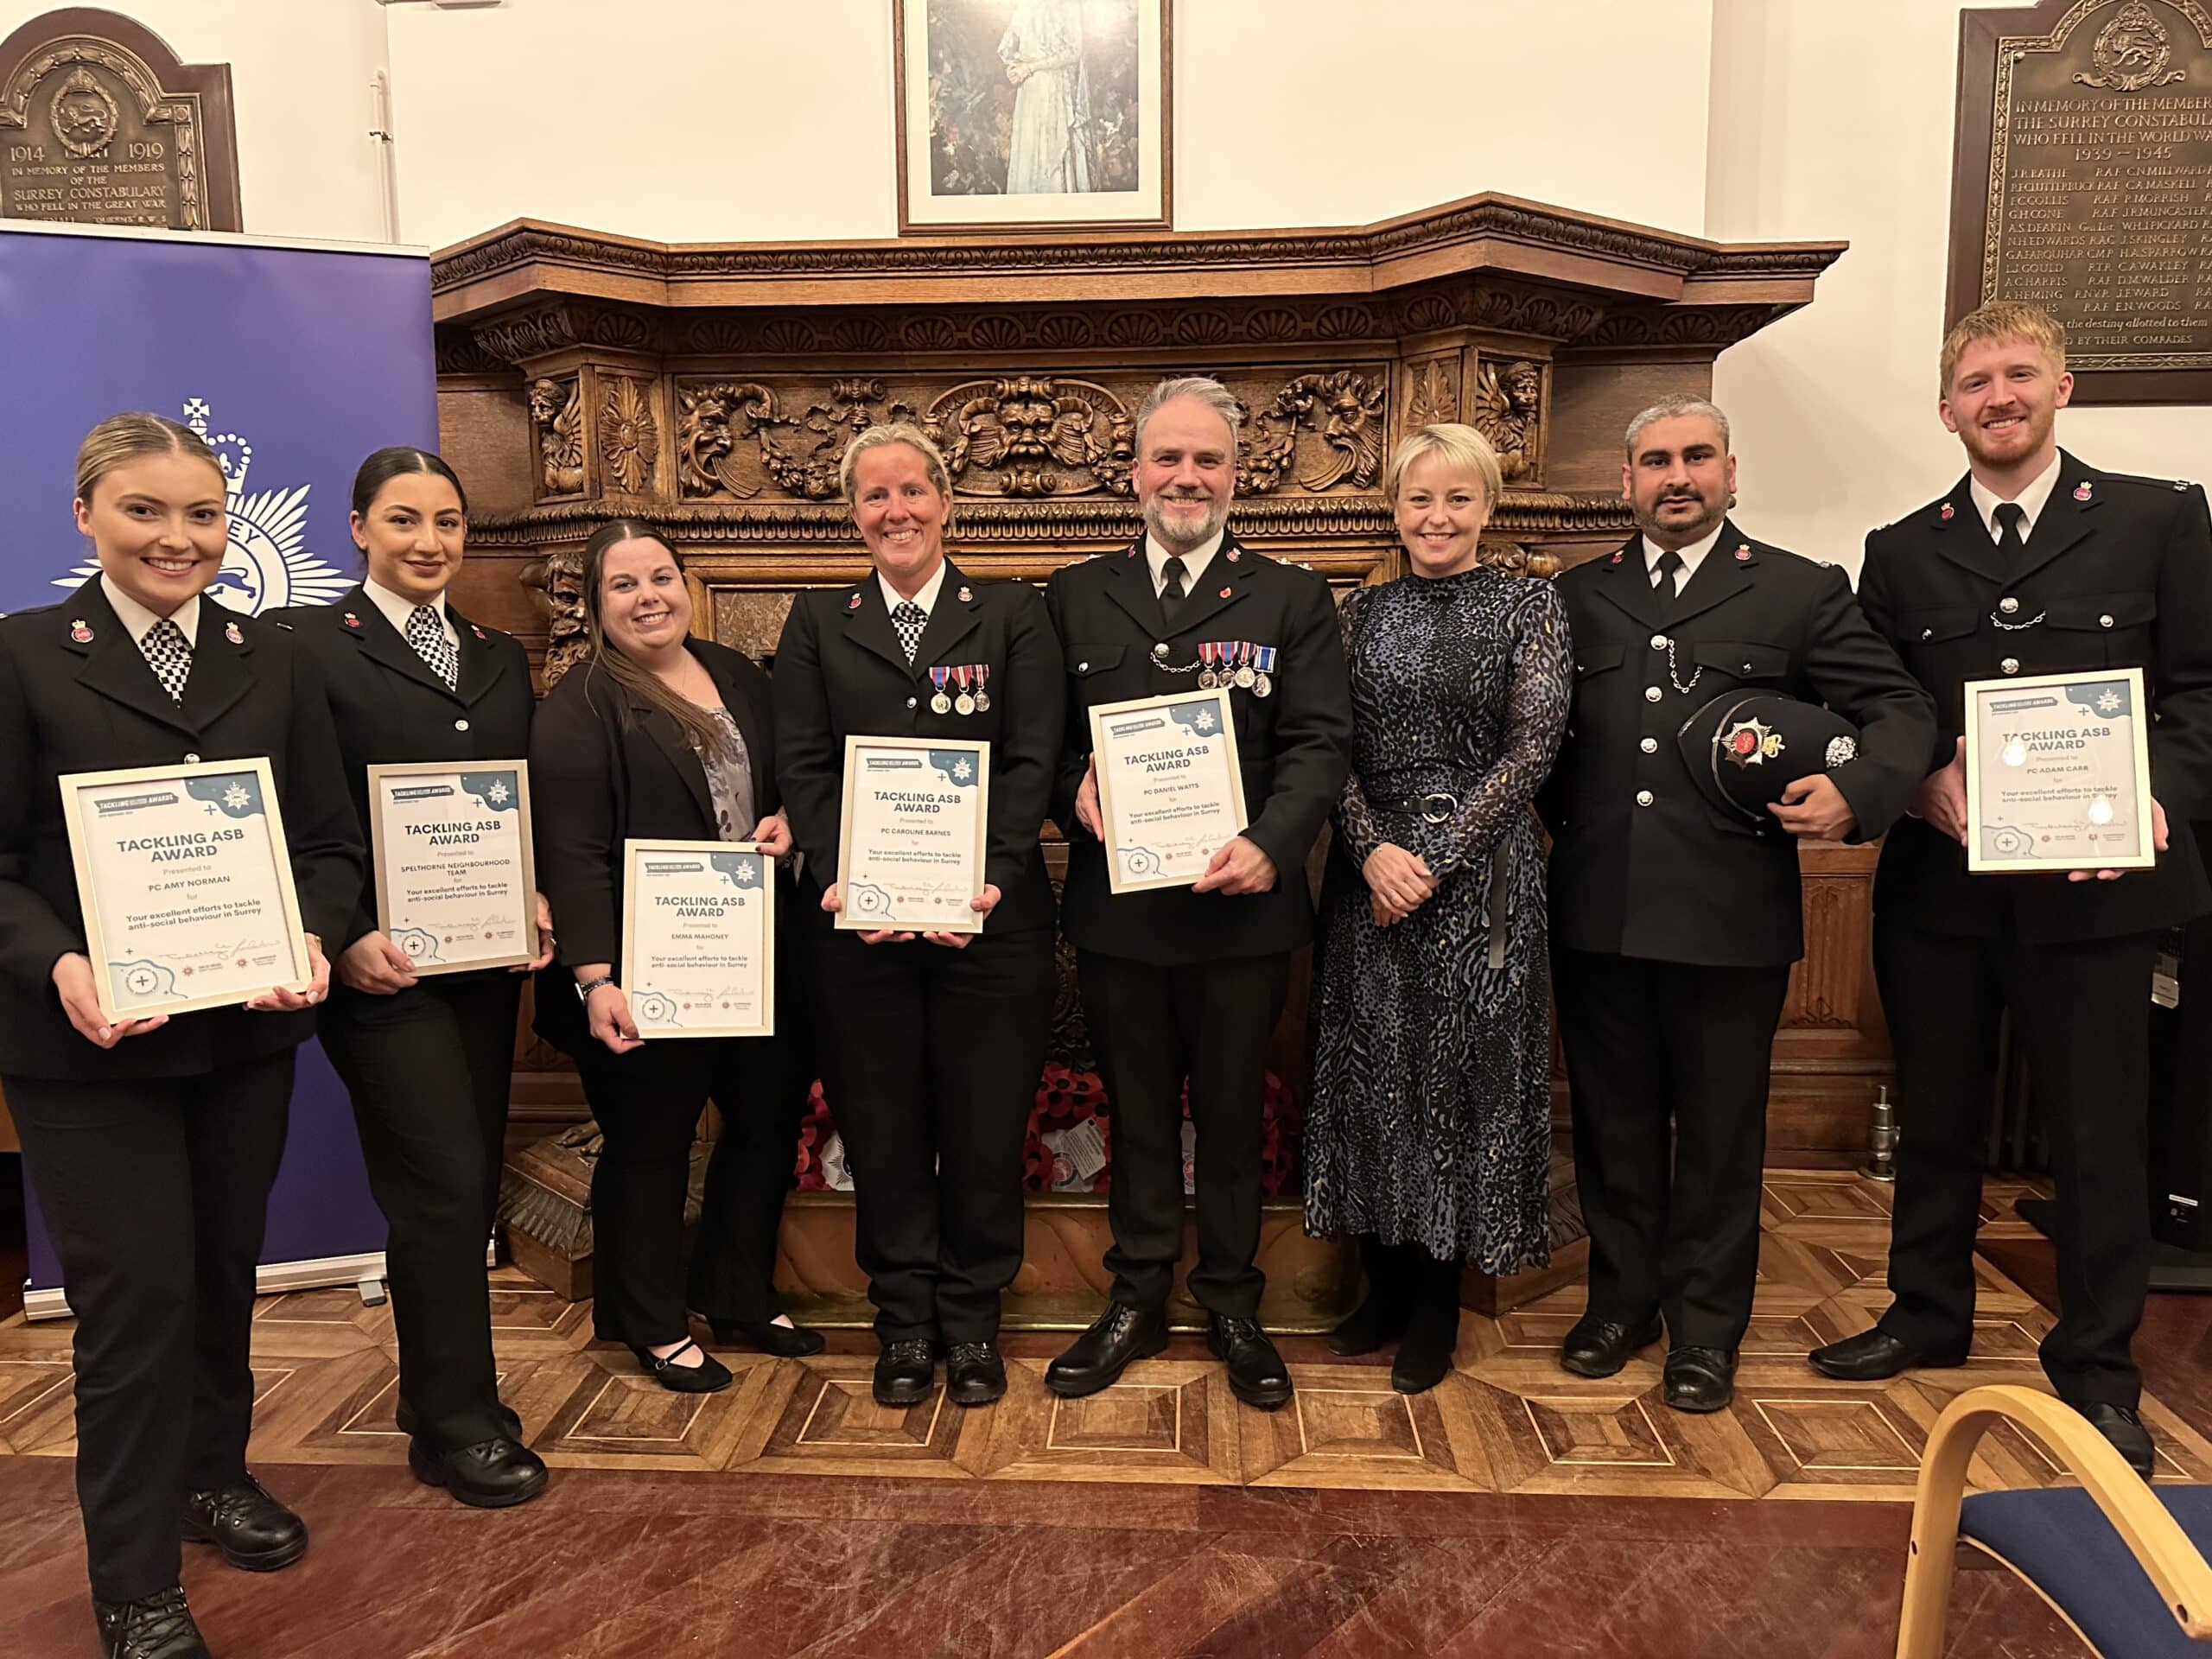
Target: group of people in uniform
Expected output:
[1440,723]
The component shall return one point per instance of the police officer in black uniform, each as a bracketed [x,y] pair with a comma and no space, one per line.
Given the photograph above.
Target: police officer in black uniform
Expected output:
[153,1142]
[427,1060]
[934,1045]
[1183,984]
[1673,923]
[2033,564]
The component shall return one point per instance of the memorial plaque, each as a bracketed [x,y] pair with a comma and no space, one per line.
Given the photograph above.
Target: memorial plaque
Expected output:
[2083,183]
[101,124]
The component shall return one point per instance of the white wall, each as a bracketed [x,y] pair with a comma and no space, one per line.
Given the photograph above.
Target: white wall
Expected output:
[1837,121]
[702,120]
[300,76]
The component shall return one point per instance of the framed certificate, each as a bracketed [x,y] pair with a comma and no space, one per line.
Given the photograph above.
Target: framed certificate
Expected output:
[699,939]
[187,886]
[2058,773]
[1170,792]
[450,856]
[911,855]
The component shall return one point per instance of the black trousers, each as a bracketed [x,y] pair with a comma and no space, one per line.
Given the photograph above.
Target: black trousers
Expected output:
[930,1059]
[647,1104]
[156,1193]
[1651,1047]
[428,1070]
[1153,1027]
[2082,1013]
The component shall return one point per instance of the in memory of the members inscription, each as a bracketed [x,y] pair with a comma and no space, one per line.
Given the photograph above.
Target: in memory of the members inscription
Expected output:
[2083,183]
[101,124]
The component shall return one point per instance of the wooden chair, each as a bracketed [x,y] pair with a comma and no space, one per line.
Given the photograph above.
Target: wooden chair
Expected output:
[2122,1564]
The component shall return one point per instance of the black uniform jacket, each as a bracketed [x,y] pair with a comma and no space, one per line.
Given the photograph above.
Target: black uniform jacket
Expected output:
[93,705]
[391,709]
[1642,866]
[840,673]
[605,768]
[2117,573]
[1294,746]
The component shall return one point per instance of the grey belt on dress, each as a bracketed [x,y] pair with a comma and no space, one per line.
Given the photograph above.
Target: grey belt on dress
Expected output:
[1437,806]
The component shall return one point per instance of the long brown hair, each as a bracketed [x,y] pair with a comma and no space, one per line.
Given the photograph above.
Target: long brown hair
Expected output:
[700,729]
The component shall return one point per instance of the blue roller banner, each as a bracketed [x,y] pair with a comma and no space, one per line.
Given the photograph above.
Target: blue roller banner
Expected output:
[294,360]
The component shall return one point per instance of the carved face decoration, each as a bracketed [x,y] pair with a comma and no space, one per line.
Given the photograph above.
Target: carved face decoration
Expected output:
[546,398]
[1441,509]
[2003,402]
[413,535]
[1525,386]
[1026,413]
[901,514]
[1680,480]
[1186,474]
[159,527]
[644,606]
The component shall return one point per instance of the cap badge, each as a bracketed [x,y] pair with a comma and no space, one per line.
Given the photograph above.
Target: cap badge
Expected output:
[231,633]
[1233,554]
[1743,553]
[2081,491]
[854,603]
[352,620]
[1750,743]
[81,632]
[1947,513]
[966,595]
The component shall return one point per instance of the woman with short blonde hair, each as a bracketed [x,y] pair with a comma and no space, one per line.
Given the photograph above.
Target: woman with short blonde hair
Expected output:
[1428,1137]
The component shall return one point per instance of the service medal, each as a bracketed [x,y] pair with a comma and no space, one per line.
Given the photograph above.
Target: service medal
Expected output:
[983,697]
[1247,676]
[1207,678]
[1263,659]
[964,702]
[941,703]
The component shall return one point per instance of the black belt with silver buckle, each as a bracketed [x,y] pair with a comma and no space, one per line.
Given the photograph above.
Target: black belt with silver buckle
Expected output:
[1434,807]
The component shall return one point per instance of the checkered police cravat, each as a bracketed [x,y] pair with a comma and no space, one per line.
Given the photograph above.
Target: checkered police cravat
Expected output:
[910,620]
[170,655]
[428,635]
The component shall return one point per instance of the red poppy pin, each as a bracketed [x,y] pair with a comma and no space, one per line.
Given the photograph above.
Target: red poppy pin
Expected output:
[352,620]
[2081,491]
[1949,512]
[82,633]
[231,633]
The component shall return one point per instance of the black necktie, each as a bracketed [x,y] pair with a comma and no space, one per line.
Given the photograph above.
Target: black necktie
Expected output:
[1662,584]
[2012,539]
[1171,585]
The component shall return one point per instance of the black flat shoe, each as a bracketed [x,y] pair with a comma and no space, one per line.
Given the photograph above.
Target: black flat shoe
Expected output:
[973,1373]
[1597,1347]
[404,1420]
[1874,1356]
[2123,1427]
[709,1376]
[1698,1379]
[1117,1339]
[251,1528]
[1425,1356]
[1256,1373]
[494,1474]
[157,1627]
[784,1341]
[906,1372]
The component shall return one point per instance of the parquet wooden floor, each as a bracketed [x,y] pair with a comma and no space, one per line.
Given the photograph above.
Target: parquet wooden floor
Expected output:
[1507,1420]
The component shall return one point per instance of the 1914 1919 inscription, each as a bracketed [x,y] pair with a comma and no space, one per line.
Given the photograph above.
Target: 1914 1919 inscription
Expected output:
[2083,183]
[99,123]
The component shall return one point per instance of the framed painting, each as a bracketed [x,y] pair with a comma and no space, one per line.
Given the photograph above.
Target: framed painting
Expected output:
[1017,114]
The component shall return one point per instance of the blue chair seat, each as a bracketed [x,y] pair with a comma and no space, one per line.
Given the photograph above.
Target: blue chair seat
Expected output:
[2060,1541]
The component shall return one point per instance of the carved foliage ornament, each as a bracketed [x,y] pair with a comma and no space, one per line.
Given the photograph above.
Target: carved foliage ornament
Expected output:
[1434,394]
[629,437]
[1508,406]
[556,415]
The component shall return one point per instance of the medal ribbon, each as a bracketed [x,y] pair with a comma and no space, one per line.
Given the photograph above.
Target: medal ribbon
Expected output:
[1263,658]
[940,677]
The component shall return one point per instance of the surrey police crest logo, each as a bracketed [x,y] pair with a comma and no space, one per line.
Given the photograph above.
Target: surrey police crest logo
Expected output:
[268,564]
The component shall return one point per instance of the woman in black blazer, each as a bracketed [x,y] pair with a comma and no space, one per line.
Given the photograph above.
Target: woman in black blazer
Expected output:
[933,1045]
[152,1143]
[657,735]
[427,1060]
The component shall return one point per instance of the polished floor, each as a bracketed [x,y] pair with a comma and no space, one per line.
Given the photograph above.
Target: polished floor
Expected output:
[1515,1510]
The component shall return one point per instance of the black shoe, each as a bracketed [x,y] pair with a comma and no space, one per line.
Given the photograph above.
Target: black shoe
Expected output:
[404,1420]
[1698,1379]
[973,1373]
[2124,1428]
[906,1372]
[1425,1356]
[493,1474]
[709,1376]
[784,1341]
[1256,1373]
[1117,1339]
[1381,1318]
[251,1528]
[1597,1347]
[157,1627]
[1874,1356]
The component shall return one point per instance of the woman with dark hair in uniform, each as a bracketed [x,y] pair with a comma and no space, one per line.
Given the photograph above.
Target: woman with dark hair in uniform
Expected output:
[428,1059]
[153,1142]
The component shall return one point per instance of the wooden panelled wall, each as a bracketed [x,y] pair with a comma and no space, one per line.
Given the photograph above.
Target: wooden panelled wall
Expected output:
[711,388]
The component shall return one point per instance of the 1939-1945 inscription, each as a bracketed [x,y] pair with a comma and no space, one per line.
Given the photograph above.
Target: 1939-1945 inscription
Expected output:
[2083,183]
[99,123]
